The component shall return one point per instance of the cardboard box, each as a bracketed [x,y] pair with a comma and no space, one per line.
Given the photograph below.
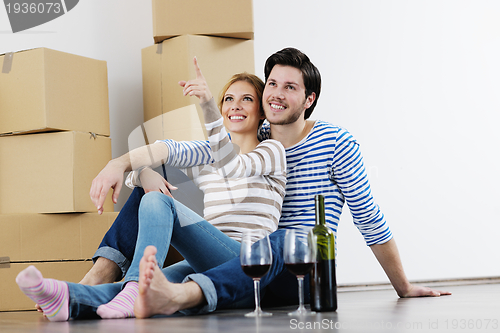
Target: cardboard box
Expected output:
[165,64]
[51,172]
[183,124]
[45,90]
[46,237]
[13,299]
[225,18]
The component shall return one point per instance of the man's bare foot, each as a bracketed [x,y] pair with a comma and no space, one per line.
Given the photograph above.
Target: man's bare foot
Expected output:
[103,271]
[159,296]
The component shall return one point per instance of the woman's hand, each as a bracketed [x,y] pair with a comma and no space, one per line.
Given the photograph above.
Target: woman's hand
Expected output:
[197,87]
[152,181]
[109,177]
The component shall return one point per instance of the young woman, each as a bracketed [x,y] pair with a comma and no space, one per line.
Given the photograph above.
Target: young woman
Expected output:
[243,187]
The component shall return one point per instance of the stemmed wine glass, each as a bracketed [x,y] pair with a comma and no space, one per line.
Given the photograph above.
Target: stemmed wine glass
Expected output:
[299,255]
[255,259]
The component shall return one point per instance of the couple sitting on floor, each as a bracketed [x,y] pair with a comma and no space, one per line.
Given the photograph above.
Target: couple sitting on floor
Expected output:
[243,177]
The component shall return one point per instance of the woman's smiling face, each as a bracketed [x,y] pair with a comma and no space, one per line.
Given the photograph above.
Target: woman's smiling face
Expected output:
[241,108]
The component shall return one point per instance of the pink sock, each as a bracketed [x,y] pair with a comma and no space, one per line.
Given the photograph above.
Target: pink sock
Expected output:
[51,295]
[122,306]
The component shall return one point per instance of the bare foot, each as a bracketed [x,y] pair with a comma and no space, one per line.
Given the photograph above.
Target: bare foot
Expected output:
[103,271]
[159,296]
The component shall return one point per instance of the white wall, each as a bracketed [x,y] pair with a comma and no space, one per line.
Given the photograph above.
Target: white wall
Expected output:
[416,82]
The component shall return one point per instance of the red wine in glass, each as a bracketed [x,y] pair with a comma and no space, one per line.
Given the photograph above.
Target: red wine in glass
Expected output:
[256,271]
[255,259]
[299,254]
[299,269]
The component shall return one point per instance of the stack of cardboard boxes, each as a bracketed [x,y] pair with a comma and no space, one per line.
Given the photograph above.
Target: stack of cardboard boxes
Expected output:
[54,132]
[54,139]
[219,33]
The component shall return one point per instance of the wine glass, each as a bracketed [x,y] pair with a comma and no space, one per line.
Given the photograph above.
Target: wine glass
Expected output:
[299,255]
[255,259]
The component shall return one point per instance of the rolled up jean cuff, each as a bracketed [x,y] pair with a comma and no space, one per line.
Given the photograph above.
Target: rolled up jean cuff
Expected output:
[208,289]
[115,256]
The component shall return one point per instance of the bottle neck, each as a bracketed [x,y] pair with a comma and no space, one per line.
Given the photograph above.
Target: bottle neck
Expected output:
[319,202]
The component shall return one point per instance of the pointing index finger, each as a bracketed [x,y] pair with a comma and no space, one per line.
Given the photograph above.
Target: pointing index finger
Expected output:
[199,74]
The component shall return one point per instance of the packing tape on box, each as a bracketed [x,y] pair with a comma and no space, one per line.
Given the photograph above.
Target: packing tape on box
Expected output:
[93,136]
[7,62]
[159,48]
[4,262]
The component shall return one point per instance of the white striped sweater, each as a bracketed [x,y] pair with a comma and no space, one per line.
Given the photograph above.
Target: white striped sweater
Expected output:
[241,191]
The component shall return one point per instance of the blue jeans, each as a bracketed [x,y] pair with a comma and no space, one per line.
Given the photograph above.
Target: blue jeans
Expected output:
[118,245]
[163,221]
[225,286]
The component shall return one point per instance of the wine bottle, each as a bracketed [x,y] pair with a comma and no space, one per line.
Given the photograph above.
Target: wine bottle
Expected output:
[323,283]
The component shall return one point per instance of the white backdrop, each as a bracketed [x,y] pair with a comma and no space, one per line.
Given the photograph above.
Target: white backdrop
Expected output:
[416,82]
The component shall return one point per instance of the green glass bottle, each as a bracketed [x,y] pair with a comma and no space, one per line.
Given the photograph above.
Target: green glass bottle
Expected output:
[323,283]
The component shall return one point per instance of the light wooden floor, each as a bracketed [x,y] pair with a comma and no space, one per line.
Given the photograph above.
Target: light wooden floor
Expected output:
[471,308]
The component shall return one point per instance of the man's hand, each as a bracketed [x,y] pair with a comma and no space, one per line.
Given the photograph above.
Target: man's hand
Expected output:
[388,256]
[152,181]
[109,177]
[419,291]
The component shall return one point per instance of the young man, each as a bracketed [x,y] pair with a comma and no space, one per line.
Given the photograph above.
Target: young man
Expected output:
[321,159]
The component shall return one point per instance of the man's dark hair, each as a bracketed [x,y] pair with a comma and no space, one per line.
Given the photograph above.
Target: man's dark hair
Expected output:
[310,74]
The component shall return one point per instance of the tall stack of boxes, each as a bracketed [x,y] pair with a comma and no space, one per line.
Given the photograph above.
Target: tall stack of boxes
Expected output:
[219,33]
[54,132]
[54,139]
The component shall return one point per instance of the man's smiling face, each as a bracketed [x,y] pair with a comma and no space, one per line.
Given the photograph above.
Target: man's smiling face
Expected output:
[284,98]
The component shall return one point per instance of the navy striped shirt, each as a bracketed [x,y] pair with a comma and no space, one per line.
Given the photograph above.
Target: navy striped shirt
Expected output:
[327,161]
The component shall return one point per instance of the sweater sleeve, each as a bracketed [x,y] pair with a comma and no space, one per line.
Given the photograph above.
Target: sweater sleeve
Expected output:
[350,175]
[185,154]
[182,154]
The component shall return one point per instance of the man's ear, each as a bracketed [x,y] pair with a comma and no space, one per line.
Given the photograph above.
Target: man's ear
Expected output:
[310,100]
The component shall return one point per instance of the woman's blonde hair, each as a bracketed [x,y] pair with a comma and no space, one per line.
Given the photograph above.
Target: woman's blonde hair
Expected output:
[254,80]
